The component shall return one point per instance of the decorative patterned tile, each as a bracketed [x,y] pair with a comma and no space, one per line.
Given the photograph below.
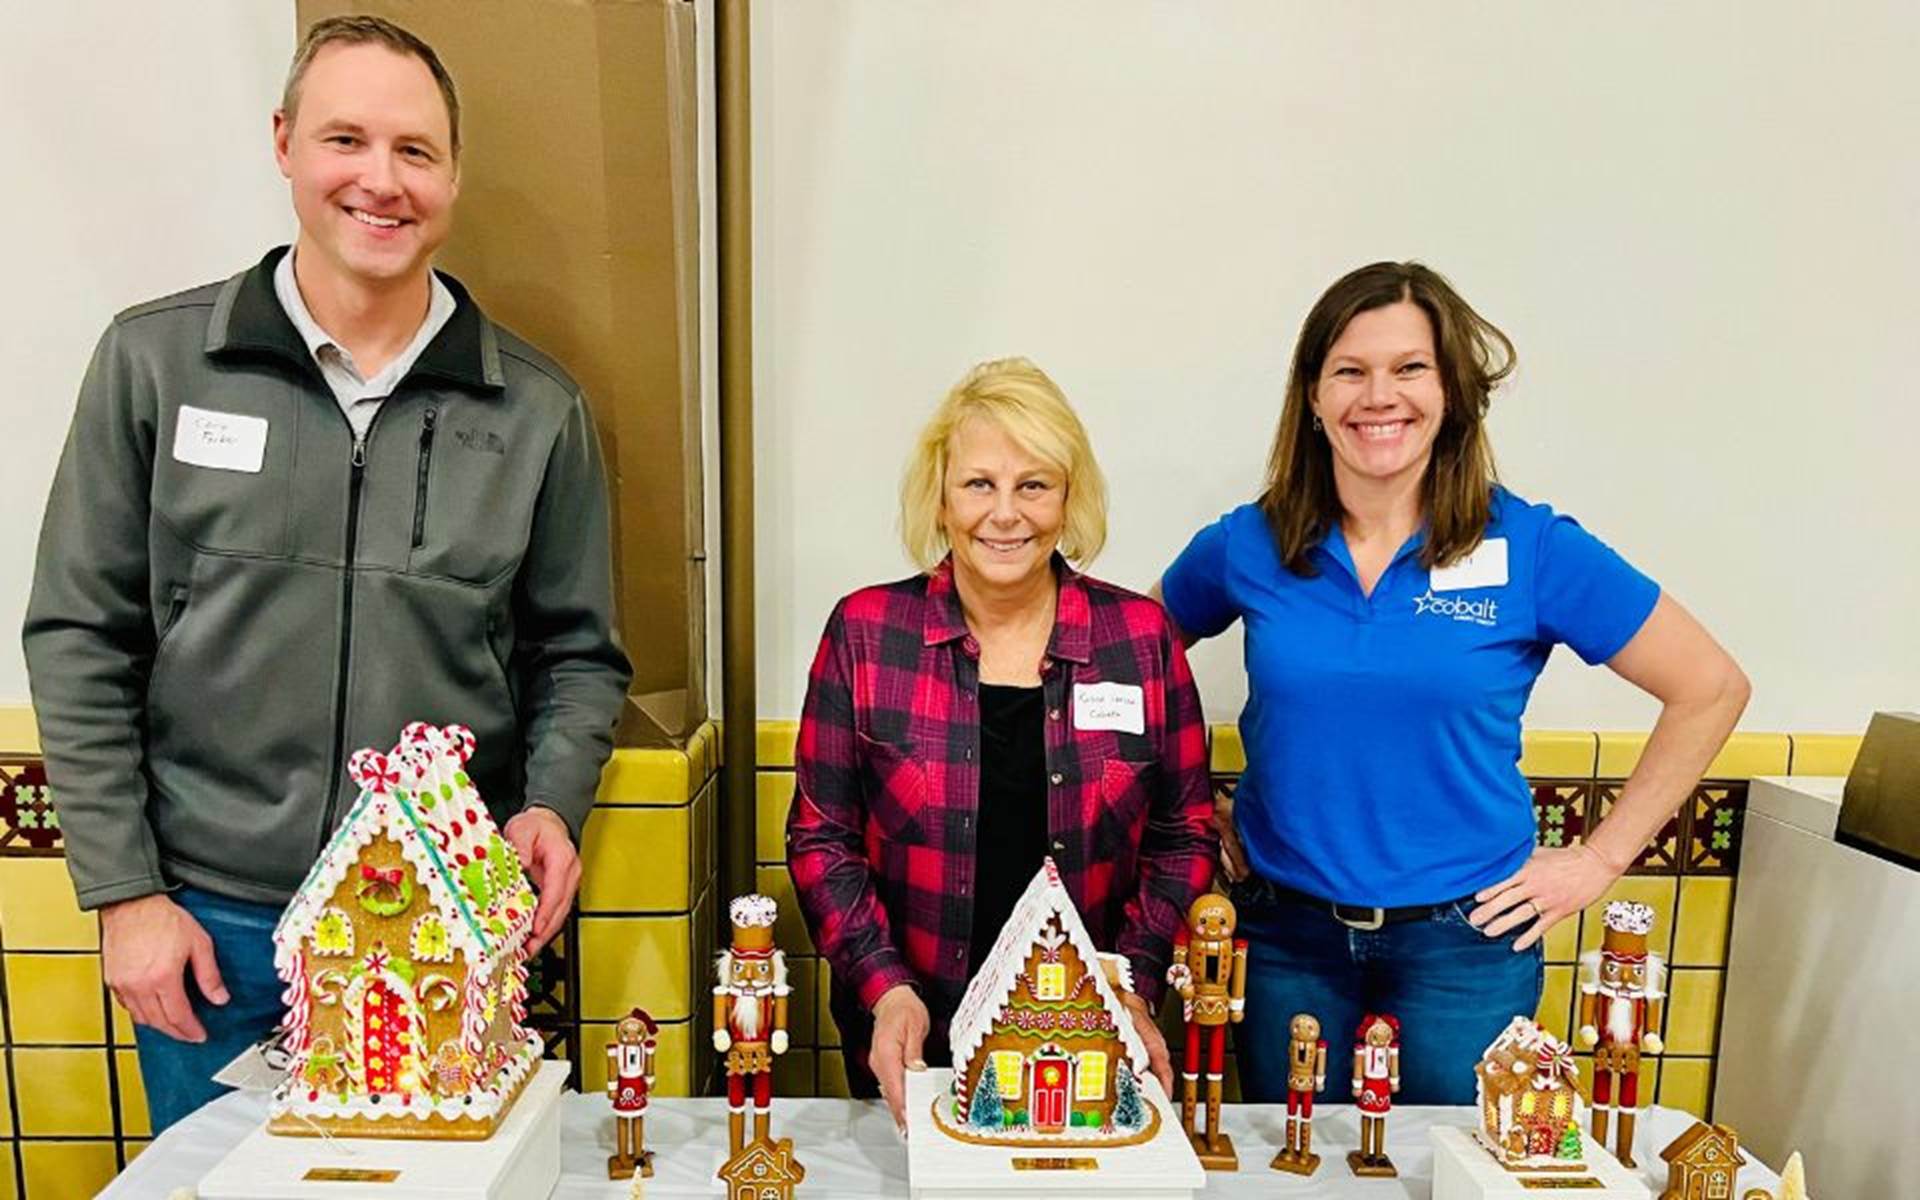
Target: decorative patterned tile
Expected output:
[38,910]
[1560,809]
[28,824]
[1662,855]
[1717,817]
[551,992]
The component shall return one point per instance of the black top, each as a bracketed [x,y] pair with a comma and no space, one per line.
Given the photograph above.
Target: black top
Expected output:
[1013,808]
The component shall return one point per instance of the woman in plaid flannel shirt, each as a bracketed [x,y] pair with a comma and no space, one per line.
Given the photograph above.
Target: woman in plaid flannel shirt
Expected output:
[997,708]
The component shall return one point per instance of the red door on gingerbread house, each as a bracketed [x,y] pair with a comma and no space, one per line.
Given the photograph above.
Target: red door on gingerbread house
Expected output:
[1052,1076]
[382,1019]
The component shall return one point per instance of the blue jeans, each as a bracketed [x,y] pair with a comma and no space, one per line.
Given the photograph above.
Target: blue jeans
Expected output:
[1452,987]
[179,1075]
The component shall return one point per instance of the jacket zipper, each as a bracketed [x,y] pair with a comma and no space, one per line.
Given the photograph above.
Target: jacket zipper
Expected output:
[420,478]
[356,478]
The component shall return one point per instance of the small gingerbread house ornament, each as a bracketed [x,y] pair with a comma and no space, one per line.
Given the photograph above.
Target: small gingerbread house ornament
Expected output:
[763,1170]
[402,953]
[1530,1100]
[1703,1163]
[1043,1052]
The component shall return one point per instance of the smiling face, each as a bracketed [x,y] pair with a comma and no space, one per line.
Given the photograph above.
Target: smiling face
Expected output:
[1380,395]
[1002,507]
[369,159]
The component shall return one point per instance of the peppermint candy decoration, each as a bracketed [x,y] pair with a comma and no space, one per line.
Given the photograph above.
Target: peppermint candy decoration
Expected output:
[373,772]
[461,741]
[417,732]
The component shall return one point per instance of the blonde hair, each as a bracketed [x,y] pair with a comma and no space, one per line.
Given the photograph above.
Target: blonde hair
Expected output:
[1019,398]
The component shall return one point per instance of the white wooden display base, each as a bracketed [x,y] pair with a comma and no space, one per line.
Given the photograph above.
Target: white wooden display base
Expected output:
[940,1167]
[1463,1170]
[521,1161]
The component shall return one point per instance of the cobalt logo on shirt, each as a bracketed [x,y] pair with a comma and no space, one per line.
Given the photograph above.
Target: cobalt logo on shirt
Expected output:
[1485,611]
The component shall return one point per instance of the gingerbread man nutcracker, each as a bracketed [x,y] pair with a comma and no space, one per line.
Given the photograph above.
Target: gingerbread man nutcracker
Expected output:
[1376,1077]
[1209,972]
[1306,1074]
[1621,997]
[750,1014]
[629,1083]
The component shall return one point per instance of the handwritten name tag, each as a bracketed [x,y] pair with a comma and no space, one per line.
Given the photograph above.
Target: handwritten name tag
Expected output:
[1485,567]
[220,441]
[1116,706]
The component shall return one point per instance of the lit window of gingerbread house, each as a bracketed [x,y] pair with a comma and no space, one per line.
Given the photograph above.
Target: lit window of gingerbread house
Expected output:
[402,953]
[1530,1100]
[1043,1052]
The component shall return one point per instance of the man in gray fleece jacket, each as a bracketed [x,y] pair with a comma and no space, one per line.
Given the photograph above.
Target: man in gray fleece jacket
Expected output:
[297,510]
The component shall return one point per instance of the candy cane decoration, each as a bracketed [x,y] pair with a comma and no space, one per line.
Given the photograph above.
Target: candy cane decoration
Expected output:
[461,741]
[330,985]
[473,1030]
[517,994]
[438,992]
[299,1018]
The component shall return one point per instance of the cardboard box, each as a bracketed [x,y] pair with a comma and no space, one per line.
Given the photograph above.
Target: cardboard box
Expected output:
[578,227]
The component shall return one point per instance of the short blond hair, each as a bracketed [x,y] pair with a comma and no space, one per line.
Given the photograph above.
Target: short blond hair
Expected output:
[1019,398]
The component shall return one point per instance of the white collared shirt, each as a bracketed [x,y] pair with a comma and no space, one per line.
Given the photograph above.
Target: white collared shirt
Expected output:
[359,398]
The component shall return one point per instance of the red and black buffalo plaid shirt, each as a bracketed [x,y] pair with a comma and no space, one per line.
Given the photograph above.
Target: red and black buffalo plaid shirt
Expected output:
[880,839]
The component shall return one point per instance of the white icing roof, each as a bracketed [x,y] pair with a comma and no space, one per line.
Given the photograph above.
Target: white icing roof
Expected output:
[1045,898]
[420,796]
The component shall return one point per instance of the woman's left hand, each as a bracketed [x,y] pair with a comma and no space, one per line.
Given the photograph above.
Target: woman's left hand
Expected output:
[1556,883]
[1158,1060]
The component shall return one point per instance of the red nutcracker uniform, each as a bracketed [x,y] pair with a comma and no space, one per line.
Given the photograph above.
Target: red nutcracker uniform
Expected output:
[750,1014]
[1621,998]
[629,1083]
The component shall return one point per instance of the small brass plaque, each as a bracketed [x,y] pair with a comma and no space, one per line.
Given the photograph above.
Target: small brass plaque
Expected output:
[1056,1164]
[1565,1183]
[349,1175]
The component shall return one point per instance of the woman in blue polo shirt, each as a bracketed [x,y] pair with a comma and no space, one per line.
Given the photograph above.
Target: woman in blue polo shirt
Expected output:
[1399,604]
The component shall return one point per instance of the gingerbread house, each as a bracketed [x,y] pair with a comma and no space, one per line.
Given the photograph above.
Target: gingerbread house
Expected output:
[402,953]
[1703,1164]
[763,1170]
[1530,1100]
[1043,1052]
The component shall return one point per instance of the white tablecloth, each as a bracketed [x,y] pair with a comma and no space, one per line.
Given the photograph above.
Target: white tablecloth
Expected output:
[851,1152]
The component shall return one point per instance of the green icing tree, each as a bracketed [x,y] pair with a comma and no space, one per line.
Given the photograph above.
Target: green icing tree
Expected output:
[1128,1111]
[1569,1143]
[987,1112]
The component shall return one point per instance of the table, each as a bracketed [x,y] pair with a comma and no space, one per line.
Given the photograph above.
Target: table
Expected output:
[851,1151]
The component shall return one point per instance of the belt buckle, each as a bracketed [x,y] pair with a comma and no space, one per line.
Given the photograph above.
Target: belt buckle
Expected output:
[1377,921]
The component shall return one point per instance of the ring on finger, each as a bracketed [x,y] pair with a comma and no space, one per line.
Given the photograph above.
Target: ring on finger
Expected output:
[1534,907]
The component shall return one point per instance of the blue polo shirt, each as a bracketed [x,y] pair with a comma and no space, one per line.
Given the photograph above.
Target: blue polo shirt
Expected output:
[1383,732]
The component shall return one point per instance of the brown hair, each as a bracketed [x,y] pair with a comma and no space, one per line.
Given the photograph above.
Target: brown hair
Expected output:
[1300,502]
[361,31]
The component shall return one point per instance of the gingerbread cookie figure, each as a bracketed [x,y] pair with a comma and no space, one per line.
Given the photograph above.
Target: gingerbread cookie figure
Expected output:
[1622,993]
[629,1084]
[1376,1077]
[1209,973]
[750,1014]
[1306,1074]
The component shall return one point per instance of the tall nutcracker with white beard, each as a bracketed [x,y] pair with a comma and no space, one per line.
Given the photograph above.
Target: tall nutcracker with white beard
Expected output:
[1622,993]
[750,1014]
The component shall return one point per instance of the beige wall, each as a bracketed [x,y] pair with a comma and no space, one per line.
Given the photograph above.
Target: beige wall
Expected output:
[138,163]
[1695,220]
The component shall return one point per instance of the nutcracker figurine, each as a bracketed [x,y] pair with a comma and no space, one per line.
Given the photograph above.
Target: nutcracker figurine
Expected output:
[750,1014]
[1209,972]
[1306,1074]
[1376,1077]
[629,1083]
[1621,996]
